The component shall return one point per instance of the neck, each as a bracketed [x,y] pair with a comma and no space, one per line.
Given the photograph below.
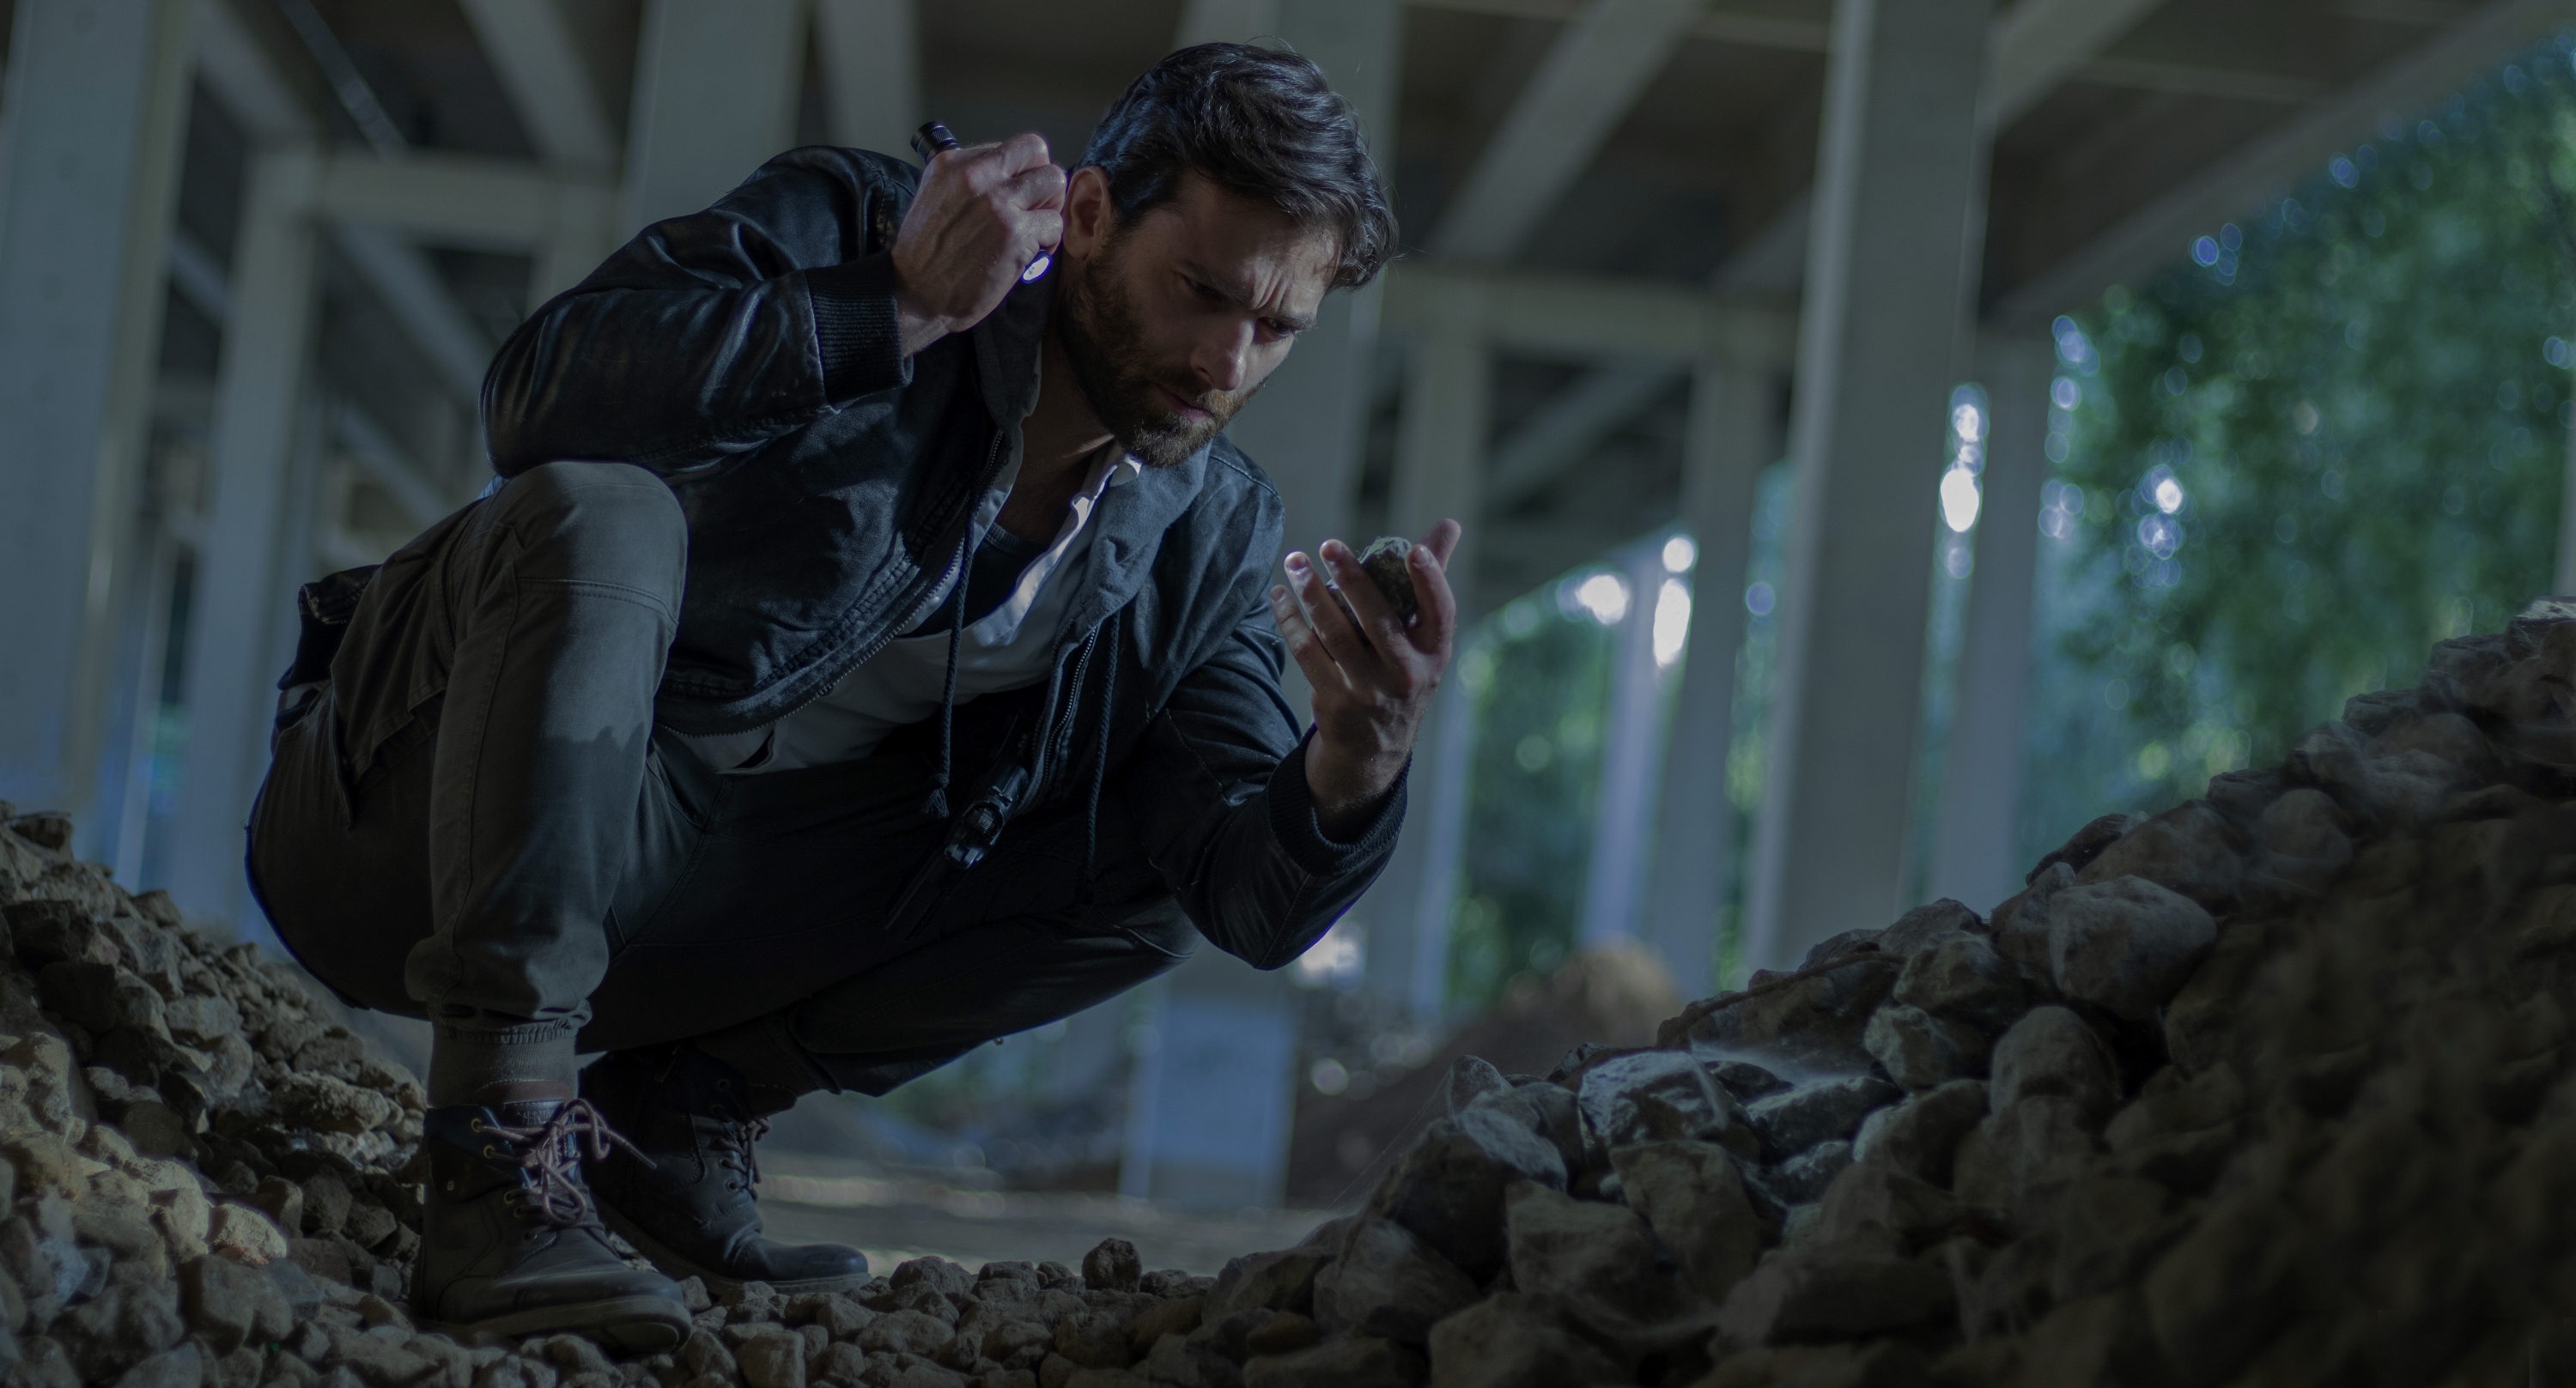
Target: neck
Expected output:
[1062,433]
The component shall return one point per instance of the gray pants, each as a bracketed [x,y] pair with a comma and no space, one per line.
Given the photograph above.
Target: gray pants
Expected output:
[478,822]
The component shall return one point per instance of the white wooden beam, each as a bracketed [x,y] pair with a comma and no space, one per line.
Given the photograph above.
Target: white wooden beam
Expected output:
[462,201]
[1574,316]
[243,78]
[539,61]
[409,286]
[1580,93]
[2265,167]
[2040,43]
[1567,426]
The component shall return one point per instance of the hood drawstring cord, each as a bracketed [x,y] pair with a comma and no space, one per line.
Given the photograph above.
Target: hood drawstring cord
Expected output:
[1100,759]
[936,803]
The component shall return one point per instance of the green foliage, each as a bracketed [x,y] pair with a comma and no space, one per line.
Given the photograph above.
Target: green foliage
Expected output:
[2362,398]
[1540,679]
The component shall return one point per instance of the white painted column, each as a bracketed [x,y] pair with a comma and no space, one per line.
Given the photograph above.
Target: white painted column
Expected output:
[1213,1091]
[1731,437]
[2563,577]
[244,595]
[716,83]
[1972,852]
[1632,738]
[90,128]
[1889,270]
[1439,471]
[871,51]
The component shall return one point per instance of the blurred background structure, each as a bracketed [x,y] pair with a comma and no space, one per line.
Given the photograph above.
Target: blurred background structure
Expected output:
[1889,432]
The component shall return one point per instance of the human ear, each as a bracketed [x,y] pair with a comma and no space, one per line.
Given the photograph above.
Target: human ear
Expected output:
[1088,212]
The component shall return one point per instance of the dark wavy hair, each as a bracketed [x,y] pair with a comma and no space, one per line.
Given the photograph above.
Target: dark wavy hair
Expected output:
[1259,123]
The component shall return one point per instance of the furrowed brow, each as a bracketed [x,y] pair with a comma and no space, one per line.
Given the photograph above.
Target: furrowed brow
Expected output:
[1232,296]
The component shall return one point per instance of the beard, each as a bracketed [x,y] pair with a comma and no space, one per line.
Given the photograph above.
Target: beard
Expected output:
[1095,319]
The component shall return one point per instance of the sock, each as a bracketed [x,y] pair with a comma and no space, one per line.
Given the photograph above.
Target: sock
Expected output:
[474,1069]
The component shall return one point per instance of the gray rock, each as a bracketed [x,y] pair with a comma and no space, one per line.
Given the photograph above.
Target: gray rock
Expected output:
[1920,1051]
[1655,1096]
[182,1367]
[1596,1259]
[1878,1202]
[1744,1079]
[1280,1281]
[1358,1363]
[1387,1284]
[2085,845]
[1814,1024]
[1833,1292]
[2305,838]
[128,1319]
[2020,1159]
[1920,1136]
[230,1304]
[1512,1341]
[1448,1187]
[913,1332]
[1801,1179]
[1965,978]
[1111,1265]
[2052,1051]
[2021,924]
[2110,1226]
[1842,946]
[1928,925]
[1817,1111]
[2126,945]
[2190,850]
[1547,1110]
[1692,1195]
[1470,1077]
[772,1360]
[2216,1298]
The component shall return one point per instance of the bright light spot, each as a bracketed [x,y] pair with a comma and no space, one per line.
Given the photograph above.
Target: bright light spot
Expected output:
[2064,393]
[1968,422]
[1680,554]
[1532,753]
[2168,496]
[1958,561]
[2205,250]
[1329,1077]
[1605,596]
[1336,960]
[1672,621]
[2341,171]
[1759,600]
[2154,761]
[2160,536]
[1958,499]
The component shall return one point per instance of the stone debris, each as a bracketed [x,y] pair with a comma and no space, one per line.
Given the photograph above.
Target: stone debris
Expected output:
[2268,1089]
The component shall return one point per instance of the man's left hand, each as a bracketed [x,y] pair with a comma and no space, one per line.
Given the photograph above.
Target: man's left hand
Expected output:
[1373,677]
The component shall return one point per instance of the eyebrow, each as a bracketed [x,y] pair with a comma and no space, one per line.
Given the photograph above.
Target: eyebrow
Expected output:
[1196,272]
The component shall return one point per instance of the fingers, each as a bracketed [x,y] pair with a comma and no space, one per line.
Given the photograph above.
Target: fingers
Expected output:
[1304,646]
[1325,613]
[1023,152]
[1378,617]
[1041,187]
[1437,623]
[1442,541]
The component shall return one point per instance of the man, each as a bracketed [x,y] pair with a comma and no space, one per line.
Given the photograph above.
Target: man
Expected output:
[869,654]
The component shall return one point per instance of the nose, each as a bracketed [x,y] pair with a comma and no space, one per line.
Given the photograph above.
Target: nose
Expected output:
[1223,359]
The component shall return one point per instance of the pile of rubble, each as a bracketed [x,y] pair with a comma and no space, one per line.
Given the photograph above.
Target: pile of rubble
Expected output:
[2264,1090]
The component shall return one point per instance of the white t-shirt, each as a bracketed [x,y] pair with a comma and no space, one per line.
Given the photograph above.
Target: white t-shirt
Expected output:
[1011,647]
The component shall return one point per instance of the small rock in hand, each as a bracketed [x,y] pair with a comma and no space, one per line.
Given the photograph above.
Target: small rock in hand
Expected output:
[1385,561]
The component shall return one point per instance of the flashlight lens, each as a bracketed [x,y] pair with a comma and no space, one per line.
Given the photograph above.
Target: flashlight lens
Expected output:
[1036,268]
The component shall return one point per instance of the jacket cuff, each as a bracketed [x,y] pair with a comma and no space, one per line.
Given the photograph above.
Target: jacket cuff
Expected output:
[1293,821]
[855,327]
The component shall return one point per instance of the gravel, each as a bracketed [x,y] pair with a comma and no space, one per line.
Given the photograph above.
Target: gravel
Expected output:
[2269,1088]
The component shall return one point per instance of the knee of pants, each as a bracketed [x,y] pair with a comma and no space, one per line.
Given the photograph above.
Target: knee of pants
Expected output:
[587,522]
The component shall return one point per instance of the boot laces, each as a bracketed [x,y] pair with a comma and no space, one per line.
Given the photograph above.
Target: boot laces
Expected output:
[737,1134]
[551,1154]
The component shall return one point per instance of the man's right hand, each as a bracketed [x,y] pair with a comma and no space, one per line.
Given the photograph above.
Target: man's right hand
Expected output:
[982,214]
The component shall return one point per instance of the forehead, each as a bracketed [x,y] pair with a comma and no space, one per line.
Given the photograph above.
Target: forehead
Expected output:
[1244,245]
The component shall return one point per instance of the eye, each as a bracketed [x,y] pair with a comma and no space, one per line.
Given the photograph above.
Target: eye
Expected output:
[1206,293]
[1279,327]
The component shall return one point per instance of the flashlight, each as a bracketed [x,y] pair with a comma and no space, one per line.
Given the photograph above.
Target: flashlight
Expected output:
[934,138]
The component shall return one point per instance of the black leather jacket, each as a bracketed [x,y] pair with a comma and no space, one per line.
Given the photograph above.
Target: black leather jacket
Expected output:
[750,356]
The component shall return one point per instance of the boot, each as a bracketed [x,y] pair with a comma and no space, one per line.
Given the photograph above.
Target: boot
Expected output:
[511,1244]
[683,1191]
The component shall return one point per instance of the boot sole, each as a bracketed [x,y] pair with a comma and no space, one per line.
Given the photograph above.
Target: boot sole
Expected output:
[630,1324]
[671,1264]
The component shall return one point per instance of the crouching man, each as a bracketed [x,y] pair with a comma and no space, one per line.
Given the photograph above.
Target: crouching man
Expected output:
[870,652]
